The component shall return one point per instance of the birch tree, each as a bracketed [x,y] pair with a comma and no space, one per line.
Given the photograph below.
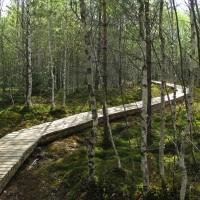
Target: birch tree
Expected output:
[144,164]
[92,141]
[148,64]
[189,105]
[99,51]
[51,61]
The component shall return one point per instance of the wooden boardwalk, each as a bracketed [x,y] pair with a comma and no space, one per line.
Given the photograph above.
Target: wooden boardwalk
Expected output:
[17,146]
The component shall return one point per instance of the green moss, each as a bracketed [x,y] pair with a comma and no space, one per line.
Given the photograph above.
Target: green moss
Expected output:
[63,172]
[127,134]
[28,116]
[118,127]
[57,111]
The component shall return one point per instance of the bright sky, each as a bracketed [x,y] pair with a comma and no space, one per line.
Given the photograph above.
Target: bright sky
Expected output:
[5,3]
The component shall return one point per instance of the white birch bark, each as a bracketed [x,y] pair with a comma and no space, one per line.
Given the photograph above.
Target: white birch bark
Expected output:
[51,62]
[144,163]
[190,107]
[28,56]
[92,141]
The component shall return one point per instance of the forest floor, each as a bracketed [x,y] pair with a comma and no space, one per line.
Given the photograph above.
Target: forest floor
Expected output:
[58,170]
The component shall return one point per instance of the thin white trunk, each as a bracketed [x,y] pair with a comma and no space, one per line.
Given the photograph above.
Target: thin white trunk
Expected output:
[92,141]
[51,62]
[144,163]
[111,136]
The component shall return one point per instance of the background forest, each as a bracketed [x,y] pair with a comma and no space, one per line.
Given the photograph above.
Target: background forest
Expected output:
[53,52]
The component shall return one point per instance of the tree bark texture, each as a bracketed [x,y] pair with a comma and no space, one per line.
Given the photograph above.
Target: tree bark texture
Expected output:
[189,106]
[92,140]
[106,138]
[148,64]
[162,106]
[28,56]
[51,64]
[64,76]
[144,163]
[98,47]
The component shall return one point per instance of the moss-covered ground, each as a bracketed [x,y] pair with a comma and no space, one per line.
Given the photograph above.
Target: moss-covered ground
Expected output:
[59,169]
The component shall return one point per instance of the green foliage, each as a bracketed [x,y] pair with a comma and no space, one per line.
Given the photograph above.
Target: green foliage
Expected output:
[127,134]
[9,120]
[63,170]
[118,128]
[156,194]
[57,112]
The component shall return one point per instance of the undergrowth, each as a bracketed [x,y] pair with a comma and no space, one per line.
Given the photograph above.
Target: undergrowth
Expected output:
[59,170]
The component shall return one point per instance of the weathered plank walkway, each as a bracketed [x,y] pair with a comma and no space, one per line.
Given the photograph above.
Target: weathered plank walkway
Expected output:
[17,146]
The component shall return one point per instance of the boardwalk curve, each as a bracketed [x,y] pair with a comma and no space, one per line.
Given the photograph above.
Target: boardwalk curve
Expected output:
[17,146]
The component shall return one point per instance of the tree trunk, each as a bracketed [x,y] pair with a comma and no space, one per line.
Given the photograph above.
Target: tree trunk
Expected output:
[148,64]
[106,139]
[98,48]
[28,57]
[162,106]
[190,106]
[51,62]
[144,163]
[64,76]
[181,54]
[92,141]
[120,54]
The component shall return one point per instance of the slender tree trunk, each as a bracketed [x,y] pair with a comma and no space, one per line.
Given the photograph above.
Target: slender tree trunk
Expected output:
[109,128]
[148,64]
[120,54]
[190,106]
[106,139]
[99,47]
[173,47]
[68,83]
[92,141]
[162,110]
[77,71]
[28,57]
[4,73]
[64,76]
[197,19]
[51,62]
[181,54]
[194,2]
[173,111]
[23,44]
[144,153]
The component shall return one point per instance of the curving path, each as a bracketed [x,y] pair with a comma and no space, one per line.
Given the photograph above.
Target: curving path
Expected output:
[17,146]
